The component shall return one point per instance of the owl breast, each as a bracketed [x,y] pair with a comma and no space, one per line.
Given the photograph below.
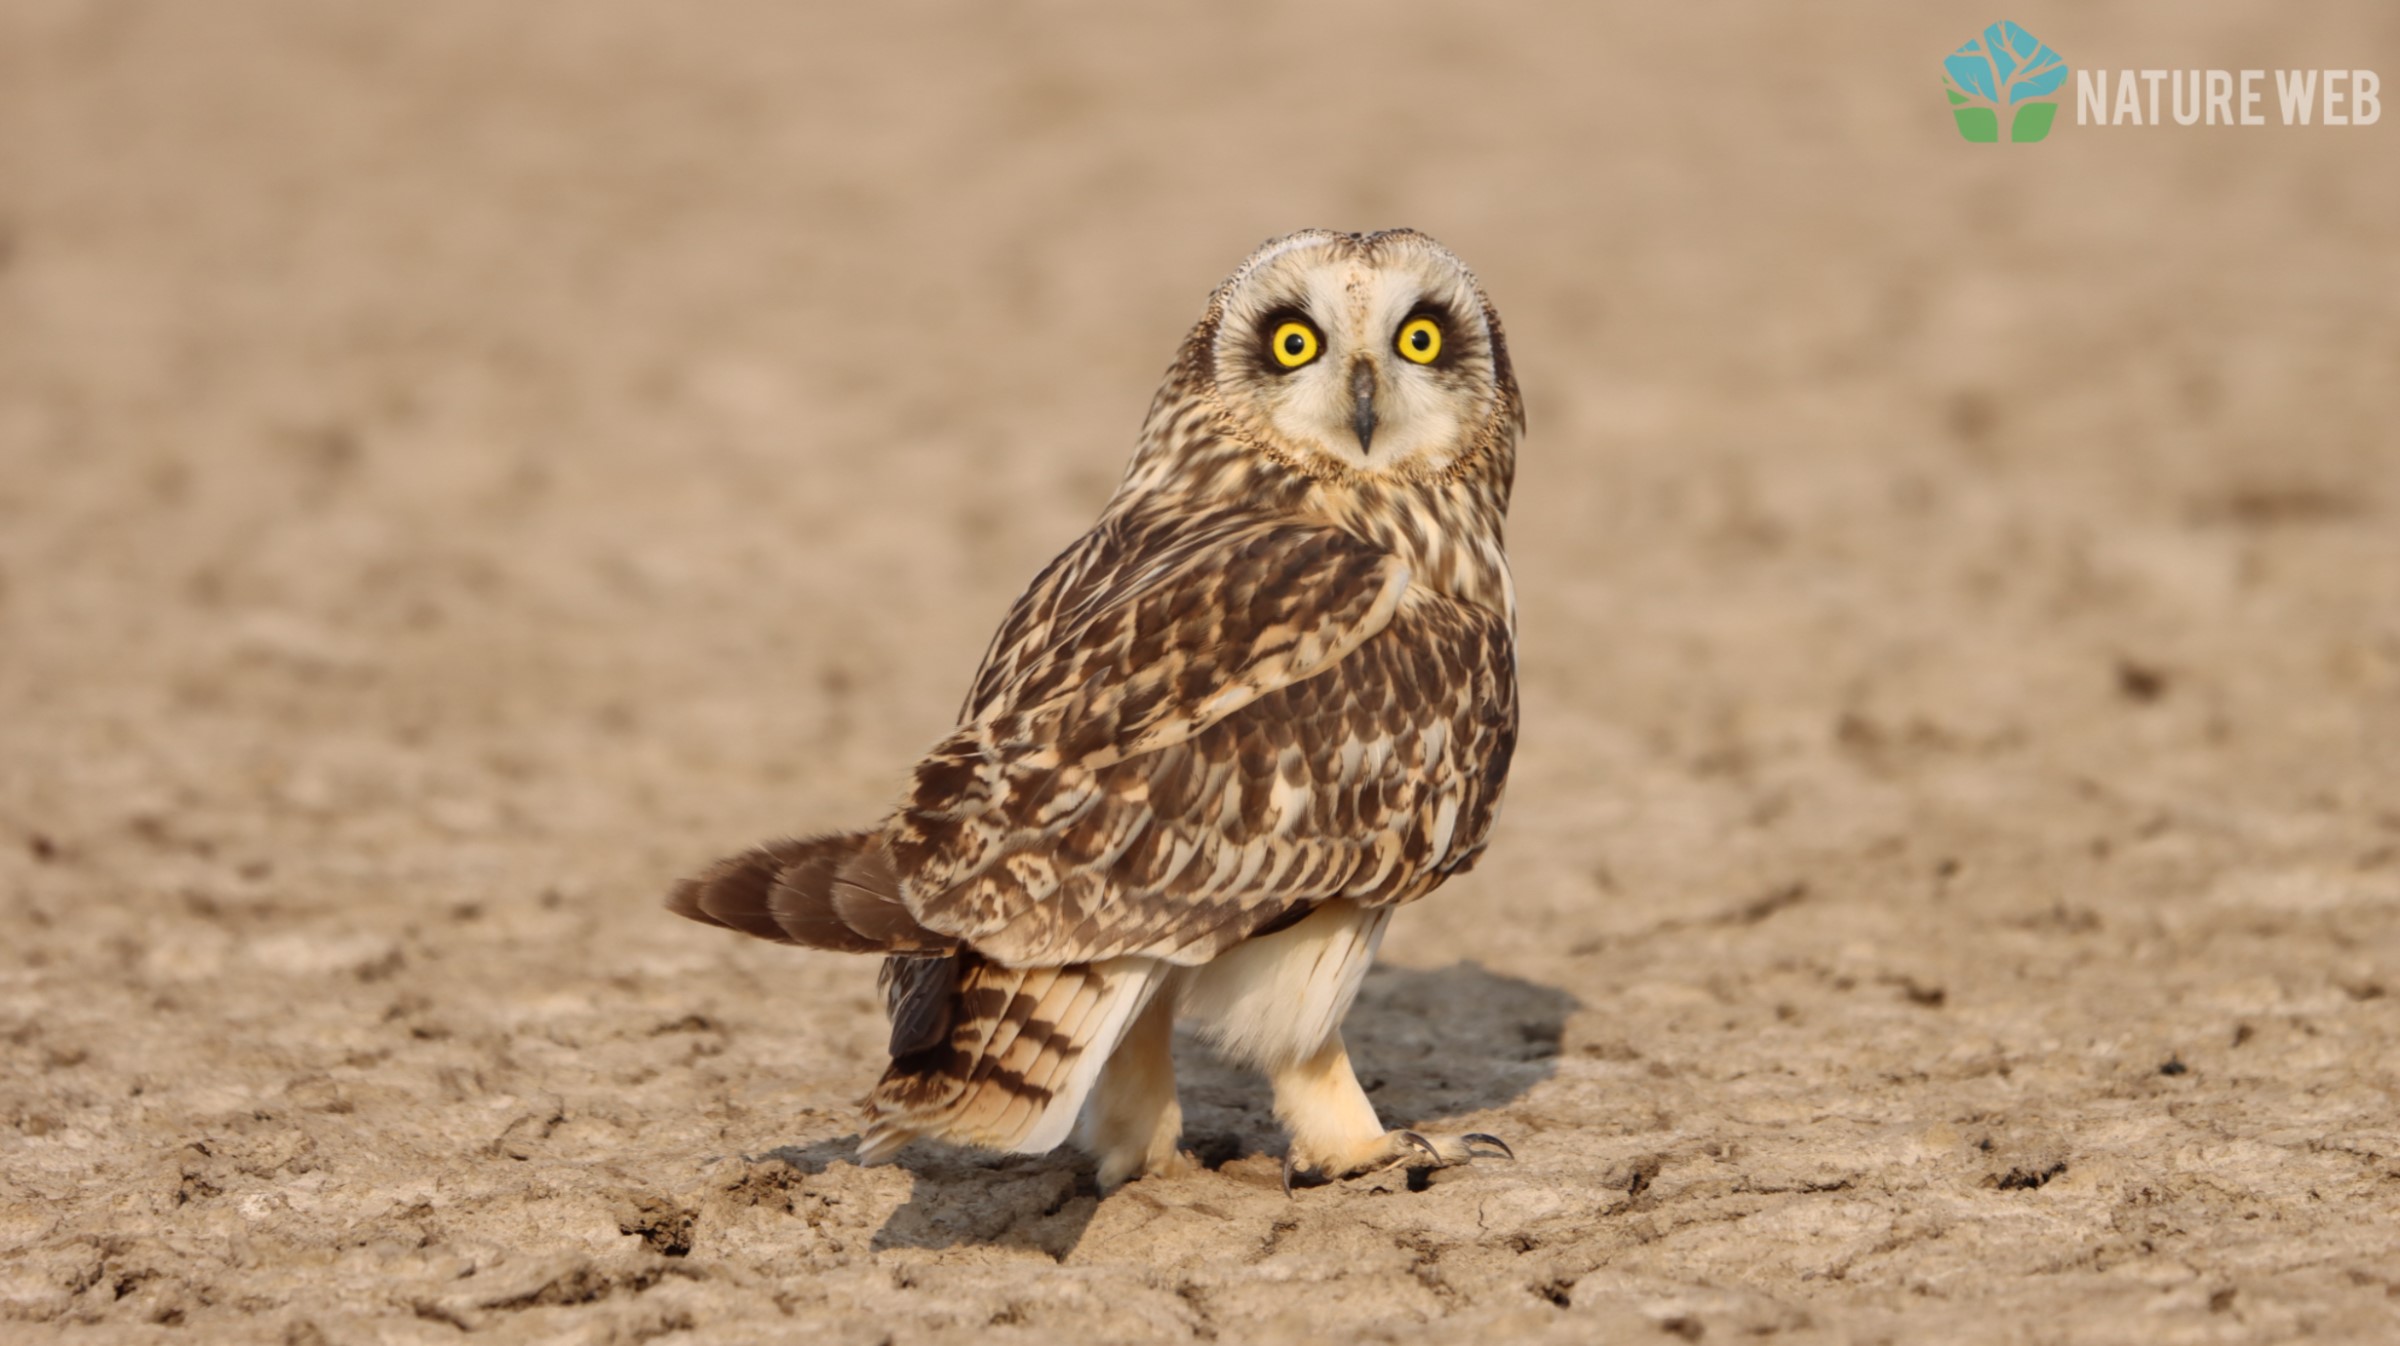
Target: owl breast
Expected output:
[1448,533]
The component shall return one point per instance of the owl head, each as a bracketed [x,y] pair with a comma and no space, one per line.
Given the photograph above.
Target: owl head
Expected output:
[1352,356]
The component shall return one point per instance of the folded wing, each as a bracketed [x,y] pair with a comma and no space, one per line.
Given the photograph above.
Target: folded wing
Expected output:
[1181,751]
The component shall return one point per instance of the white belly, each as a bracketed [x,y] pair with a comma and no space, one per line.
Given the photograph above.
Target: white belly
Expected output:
[1270,1001]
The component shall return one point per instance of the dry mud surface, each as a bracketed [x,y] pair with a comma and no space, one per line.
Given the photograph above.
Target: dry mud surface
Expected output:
[462,465]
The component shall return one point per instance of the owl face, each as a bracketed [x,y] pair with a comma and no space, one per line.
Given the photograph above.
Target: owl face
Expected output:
[1361,353]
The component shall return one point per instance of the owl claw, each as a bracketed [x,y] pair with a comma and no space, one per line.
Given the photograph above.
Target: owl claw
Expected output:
[1399,1149]
[1499,1148]
[1444,1151]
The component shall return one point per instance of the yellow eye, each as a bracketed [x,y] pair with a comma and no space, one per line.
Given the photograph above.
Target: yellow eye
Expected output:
[1294,344]
[1420,340]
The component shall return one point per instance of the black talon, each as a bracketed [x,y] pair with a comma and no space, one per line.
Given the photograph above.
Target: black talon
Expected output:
[1423,1144]
[1287,1175]
[1494,1141]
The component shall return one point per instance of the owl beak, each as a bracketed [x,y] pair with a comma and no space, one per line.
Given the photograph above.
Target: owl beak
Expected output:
[1362,404]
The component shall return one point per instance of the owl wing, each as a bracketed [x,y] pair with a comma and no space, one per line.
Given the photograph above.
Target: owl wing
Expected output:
[1188,744]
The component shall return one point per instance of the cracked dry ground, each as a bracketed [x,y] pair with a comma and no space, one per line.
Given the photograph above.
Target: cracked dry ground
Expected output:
[461,466]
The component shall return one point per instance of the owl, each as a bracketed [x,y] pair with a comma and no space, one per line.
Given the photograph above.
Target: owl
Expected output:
[1269,698]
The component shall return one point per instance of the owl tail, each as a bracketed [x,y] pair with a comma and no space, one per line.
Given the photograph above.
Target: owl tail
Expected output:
[831,892]
[1022,1050]
[981,1054]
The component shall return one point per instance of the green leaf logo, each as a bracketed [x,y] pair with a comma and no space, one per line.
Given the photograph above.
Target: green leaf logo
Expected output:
[2004,80]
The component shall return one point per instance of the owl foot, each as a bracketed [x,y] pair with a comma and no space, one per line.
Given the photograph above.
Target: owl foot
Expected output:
[1400,1149]
[1118,1169]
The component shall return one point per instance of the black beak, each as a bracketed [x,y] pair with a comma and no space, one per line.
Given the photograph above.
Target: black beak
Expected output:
[1362,413]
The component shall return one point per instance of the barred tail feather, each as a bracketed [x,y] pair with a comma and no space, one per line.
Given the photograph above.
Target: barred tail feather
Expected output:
[829,892]
[1024,1048]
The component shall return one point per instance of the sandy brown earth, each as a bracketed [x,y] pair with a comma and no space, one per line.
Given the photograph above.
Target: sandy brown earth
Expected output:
[462,465]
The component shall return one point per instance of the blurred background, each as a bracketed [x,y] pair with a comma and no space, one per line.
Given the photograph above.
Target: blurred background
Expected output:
[463,465]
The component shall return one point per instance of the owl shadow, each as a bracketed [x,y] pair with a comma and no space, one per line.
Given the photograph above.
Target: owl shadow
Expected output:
[1430,1045]
[962,1197]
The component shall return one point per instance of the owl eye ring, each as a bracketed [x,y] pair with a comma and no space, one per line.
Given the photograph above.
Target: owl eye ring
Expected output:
[1294,344]
[1420,340]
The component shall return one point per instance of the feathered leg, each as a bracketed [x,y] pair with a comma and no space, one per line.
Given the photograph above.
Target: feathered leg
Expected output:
[1334,1130]
[1134,1123]
[1277,1001]
[1332,1126]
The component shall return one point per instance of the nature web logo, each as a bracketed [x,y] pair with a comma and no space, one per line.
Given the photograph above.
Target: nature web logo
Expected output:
[2005,79]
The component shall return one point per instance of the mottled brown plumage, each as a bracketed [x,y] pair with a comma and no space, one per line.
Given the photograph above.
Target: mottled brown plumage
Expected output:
[1274,687]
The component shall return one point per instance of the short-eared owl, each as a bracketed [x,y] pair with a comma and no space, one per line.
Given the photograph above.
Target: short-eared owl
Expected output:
[1270,697]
